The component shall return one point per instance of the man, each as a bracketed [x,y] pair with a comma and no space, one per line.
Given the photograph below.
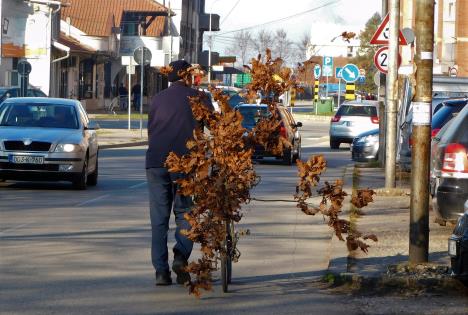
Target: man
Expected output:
[123,97]
[136,92]
[170,125]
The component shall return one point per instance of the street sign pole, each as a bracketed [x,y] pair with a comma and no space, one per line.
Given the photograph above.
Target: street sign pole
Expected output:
[142,76]
[339,92]
[129,94]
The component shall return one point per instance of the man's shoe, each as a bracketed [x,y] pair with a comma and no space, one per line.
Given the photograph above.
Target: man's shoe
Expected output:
[163,278]
[178,266]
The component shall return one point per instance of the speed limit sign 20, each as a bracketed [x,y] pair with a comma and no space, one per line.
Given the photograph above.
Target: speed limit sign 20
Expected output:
[381,59]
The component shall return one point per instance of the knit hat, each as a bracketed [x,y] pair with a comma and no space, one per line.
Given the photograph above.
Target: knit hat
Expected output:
[177,66]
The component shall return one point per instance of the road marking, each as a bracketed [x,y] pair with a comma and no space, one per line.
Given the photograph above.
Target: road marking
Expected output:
[137,185]
[91,200]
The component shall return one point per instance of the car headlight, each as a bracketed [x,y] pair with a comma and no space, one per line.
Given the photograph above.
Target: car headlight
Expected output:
[369,139]
[67,147]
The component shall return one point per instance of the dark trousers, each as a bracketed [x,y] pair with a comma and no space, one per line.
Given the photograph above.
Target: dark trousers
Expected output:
[163,198]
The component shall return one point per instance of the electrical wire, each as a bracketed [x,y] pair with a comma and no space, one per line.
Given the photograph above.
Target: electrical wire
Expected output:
[227,15]
[285,18]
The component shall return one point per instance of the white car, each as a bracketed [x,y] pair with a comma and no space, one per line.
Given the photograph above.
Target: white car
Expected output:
[351,119]
[47,139]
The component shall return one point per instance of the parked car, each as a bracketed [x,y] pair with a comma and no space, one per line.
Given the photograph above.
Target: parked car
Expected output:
[451,158]
[47,139]
[234,99]
[435,170]
[352,119]
[365,147]
[11,91]
[443,113]
[458,247]
[252,113]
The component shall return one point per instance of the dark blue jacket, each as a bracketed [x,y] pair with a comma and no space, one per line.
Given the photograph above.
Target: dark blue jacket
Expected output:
[170,123]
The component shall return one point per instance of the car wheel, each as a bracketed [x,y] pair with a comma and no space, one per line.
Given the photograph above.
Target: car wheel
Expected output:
[334,144]
[298,155]
[80,181]
[93,177]
[287,156]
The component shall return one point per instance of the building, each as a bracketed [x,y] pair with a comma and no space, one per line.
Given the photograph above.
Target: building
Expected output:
[29,32]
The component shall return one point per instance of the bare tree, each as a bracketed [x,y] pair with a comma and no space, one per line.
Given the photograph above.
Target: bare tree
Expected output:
[262,41]
[241,46]
[304,48]
[282,45]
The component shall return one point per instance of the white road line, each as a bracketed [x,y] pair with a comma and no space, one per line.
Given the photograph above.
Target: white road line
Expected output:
[137,185]
[91,200]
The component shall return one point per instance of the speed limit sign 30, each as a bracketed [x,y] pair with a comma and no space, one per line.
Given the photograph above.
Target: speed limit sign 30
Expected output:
[381,59]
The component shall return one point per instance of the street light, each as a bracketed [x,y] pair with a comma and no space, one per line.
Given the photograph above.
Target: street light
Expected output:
[210,44]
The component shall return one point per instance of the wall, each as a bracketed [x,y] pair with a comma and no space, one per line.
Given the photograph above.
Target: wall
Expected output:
[26,35]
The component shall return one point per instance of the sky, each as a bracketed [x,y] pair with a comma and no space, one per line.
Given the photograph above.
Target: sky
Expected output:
[323,24]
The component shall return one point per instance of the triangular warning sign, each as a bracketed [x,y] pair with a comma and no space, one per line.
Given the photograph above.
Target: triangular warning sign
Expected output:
[381,36]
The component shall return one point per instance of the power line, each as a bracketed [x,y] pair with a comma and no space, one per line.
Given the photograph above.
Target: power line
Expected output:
[285,18]
[232,9]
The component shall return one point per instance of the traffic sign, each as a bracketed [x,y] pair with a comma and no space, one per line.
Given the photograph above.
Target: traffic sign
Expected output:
[327,66]
[350,73]
[317,71]
[381,59]
[382,35]
[142,55]
[361,79]
[24,67]
[338,72]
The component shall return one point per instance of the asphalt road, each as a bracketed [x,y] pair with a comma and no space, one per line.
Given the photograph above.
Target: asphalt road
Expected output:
[87,252]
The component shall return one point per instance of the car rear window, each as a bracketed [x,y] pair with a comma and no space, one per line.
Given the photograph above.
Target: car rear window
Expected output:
[251,115]
[443,115]
[353,110]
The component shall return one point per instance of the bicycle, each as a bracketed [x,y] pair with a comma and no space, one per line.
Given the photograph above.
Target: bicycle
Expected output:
[228,254]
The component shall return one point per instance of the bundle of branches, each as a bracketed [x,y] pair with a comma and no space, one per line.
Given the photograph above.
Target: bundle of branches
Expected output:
[332,202]
[219,170]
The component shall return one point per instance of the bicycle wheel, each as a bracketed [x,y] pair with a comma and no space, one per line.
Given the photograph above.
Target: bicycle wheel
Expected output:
[226,258]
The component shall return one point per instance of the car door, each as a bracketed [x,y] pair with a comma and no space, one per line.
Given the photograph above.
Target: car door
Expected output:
[89,134]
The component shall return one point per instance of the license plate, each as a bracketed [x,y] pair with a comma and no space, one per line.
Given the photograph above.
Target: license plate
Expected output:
[452,248]
[26,159]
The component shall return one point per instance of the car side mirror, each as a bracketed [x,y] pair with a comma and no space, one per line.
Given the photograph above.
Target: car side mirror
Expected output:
[298,124]
[7,95]
[92,125]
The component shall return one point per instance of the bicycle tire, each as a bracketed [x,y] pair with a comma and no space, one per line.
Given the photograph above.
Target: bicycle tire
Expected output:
[226,257]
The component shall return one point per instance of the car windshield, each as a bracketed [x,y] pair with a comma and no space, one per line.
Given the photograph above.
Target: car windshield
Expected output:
[38,115]
[251,115]
[353,110]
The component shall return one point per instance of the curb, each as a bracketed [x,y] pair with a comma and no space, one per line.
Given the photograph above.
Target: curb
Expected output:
[123,145]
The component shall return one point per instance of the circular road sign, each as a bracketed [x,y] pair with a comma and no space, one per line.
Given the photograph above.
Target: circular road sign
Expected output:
[24,67]
[350,73]
[381,59]
[142,55]
[317,71]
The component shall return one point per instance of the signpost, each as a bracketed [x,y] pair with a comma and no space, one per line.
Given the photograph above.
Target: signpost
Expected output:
[338,76]
[130,71]
[317,72]
[24,69]
[382,35]
[350,73]
[142,56]
[381,59]
[327,65]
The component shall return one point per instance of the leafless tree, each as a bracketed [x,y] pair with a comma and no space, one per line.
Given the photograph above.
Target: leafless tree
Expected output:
[241,46]
[304,48]
[282,45]
[263,40]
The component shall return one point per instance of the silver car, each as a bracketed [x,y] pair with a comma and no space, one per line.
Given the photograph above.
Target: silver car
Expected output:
[352,119]
[47,139]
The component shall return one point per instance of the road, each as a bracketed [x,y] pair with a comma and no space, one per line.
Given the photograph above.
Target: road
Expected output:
[87,252]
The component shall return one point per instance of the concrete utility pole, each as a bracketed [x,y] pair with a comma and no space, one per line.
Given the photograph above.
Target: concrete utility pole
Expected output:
[392,95]
[420,153]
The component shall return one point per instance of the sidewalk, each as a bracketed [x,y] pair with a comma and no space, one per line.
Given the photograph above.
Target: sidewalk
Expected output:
[385,267]
[118,138]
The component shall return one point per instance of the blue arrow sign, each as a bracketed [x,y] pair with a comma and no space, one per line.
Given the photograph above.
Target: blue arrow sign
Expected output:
[338,72]
[327,66]
[350,73]
[317,71]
